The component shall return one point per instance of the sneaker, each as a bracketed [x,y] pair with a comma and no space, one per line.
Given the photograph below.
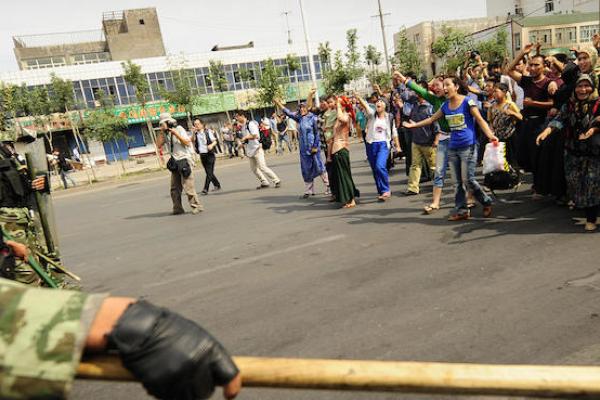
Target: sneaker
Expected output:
[263,186]
[590,227]
[305,196]
[410,193]
[197,210]
[458,217]
[204,192]
[277,185]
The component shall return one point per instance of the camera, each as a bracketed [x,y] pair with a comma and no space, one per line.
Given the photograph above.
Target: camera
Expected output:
[171,124]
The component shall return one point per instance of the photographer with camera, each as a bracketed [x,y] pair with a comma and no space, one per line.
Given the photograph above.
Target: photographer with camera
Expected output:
[180,163]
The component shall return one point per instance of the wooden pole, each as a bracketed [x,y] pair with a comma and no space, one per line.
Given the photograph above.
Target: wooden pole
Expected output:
[389,376]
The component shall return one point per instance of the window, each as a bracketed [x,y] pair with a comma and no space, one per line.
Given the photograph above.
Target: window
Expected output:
[90,58]
[549,6]
[587,32]
[45,62]
[517,41]
[544,36]
[518,10]
[417,39]
[566,35]
[142,22]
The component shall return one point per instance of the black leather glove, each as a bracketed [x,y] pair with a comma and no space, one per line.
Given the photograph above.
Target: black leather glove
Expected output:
[173,357]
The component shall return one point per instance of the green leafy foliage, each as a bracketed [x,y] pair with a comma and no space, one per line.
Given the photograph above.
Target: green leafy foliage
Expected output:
[293,63]
[133,75]
[63,98]
[372,56]
[383,79]
[406,57]
[182,91]
[494,49]
[325,55]
[353,55]
[337,76]
[217,76]
[271,84]
[453,46]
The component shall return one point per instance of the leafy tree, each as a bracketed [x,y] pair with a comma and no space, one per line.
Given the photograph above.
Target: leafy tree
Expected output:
[337,76]
[406,56]
[9,106]
[294,65]
[372,56]
[494,49]
[452,47]
[270,85]
[325,55]
[103,125]
[132,73]
[247,75]
[182,93]
[352,55]
[383,79]
[218,79]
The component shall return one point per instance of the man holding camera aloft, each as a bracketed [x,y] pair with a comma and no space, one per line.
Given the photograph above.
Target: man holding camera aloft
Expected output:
[180,164]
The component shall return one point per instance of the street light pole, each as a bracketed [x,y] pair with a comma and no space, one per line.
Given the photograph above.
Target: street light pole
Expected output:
[385,48]
[311,67]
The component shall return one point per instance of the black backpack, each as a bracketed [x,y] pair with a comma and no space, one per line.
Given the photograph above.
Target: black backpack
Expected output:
[265,139]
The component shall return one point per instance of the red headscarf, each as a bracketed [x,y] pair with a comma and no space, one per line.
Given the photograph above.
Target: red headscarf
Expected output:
[347,106]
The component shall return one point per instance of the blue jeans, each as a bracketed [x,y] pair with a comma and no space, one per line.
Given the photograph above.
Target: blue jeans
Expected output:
[378,154]
[463,161]
[441,163]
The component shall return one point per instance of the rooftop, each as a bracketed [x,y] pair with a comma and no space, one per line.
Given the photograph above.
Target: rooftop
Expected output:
[559,19]
[61,38]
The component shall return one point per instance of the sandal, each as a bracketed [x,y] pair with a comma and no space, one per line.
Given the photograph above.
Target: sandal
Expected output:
[349,205]
[428,210]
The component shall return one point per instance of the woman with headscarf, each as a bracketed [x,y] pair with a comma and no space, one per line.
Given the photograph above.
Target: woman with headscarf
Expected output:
[311,163]
[579,121]
[344,189]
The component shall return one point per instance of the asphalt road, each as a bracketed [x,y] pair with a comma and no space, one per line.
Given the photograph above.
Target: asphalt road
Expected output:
[273,275]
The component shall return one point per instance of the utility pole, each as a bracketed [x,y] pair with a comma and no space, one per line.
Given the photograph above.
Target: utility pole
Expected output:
[311,66]
[385,48]
[287,24]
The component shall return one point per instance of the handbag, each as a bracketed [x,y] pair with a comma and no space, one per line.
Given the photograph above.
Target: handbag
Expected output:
[172,163]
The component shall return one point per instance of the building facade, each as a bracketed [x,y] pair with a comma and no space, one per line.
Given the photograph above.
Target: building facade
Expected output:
[423,35]
[242,69]
[536,8]
[124,35]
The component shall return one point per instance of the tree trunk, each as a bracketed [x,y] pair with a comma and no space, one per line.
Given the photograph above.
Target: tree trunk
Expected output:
[120,159]
[153,137]
[78,142]
[115,155]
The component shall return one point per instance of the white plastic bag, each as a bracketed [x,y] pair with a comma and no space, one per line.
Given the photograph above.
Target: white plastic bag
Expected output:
[494,158]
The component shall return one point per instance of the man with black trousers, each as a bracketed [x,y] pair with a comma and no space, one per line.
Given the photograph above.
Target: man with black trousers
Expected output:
[205,142]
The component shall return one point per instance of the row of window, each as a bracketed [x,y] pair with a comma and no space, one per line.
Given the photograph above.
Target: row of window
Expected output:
[563,35]
[59,61]
[239,76]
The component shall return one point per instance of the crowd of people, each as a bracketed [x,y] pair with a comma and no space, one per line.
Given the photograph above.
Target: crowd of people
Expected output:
[542,110]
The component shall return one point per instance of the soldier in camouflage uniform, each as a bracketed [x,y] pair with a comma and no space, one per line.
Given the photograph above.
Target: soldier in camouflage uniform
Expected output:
[43,334]
[16,212]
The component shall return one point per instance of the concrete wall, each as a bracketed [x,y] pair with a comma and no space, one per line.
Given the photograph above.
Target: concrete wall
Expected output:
[537,7]
[66,50]
[425,33]
[136,35]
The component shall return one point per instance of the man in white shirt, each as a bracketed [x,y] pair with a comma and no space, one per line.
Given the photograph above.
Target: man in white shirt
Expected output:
[205,141]
[254,151]
[182,175]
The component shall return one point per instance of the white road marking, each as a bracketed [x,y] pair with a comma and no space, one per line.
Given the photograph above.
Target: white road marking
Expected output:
[243,261]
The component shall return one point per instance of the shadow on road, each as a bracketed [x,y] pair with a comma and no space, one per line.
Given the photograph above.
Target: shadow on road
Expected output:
[150,215]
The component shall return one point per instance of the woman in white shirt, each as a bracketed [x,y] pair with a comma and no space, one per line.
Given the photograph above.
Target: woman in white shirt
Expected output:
[380,133]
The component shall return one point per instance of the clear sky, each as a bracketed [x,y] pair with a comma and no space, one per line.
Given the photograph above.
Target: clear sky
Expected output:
[195,26]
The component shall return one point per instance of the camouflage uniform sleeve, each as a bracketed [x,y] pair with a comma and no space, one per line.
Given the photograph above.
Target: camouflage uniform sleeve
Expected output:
[42,335]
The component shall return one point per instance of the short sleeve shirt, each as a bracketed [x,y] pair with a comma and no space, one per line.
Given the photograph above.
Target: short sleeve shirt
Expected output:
[536,91]
[42,335]
[461,123]
[202,142]
[180,150]
[291,124]
[253,144]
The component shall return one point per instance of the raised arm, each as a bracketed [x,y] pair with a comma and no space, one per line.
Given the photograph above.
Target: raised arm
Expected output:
[428,121]
[368,110]
[516,75]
